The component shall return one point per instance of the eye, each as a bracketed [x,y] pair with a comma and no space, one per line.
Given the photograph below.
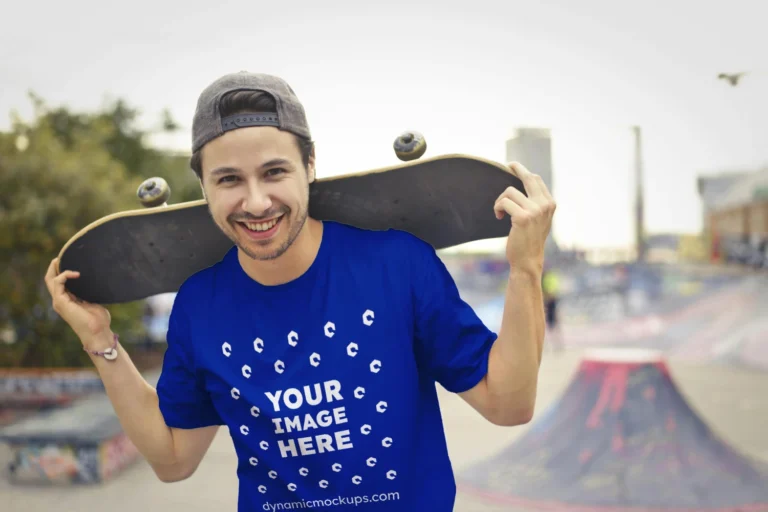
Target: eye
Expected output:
[275,171]
[227,179]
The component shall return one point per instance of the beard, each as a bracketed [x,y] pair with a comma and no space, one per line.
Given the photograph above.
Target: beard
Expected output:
[293,226]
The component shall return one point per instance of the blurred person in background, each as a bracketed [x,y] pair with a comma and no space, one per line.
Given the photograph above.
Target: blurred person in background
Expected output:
[550,286]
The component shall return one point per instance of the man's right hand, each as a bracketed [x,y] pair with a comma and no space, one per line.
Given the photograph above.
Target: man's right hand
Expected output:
[174,454]
[89,321]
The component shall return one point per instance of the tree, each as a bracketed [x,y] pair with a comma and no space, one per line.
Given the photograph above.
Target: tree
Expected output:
[58,173]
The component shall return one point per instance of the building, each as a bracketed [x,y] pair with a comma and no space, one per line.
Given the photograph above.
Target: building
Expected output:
[735,216]
[532,147]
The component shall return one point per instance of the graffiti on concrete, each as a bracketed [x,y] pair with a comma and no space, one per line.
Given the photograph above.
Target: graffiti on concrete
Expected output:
[116,454]
[46,385]
[71,463]
[55,463]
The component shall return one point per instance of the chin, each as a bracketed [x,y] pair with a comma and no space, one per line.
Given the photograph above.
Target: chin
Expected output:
[272,247]
[261,248]
[261,252]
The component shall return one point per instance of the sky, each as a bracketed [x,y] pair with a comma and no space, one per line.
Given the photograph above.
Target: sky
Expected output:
[465,74]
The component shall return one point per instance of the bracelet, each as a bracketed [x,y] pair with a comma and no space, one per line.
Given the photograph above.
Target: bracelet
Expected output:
[110,354]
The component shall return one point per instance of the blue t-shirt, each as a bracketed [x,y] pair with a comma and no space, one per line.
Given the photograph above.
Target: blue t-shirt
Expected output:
[327,383]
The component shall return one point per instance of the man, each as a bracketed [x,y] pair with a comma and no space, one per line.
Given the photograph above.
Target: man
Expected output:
[318,344]
[551,288]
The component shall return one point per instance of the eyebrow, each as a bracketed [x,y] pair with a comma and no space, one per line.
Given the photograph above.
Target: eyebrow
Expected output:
[230,170]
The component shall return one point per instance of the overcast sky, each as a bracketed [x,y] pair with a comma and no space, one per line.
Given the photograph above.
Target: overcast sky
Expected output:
[463,73]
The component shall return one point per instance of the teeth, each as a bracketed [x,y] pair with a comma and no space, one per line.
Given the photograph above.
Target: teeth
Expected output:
[261,226]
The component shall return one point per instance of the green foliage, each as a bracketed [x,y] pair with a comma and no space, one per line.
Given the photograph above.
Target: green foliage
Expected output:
[58,173]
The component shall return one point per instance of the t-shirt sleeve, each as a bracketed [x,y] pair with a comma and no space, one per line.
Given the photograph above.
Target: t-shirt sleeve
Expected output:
[183,399]
[452,342]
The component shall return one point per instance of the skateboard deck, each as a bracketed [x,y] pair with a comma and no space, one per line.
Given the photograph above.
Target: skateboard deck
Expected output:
[131,255]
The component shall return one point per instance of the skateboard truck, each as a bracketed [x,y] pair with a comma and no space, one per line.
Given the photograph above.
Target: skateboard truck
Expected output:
[154,192]
[410,145]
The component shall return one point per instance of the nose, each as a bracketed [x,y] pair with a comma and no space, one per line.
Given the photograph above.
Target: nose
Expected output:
[257,200]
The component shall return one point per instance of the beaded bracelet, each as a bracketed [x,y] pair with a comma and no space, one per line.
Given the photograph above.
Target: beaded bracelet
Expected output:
[109,354]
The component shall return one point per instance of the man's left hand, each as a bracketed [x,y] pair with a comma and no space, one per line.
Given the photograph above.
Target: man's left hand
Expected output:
[531,219]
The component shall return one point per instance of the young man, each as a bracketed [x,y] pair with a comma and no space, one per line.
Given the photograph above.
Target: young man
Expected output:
[318,344]
[551,288]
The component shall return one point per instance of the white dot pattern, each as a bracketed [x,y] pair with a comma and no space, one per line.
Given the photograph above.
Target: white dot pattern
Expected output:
[352,350]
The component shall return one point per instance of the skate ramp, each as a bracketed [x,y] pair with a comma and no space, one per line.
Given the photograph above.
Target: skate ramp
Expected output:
[621,438]
[81,443]
[729,328]
[696,317]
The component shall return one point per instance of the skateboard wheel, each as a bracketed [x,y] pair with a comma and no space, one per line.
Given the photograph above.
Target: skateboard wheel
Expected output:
[153,192]
[410,145]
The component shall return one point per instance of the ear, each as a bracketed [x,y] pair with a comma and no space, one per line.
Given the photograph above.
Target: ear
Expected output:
[202,188]
[311,166]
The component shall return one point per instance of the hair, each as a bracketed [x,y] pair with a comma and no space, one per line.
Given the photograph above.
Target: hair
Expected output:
[250,101]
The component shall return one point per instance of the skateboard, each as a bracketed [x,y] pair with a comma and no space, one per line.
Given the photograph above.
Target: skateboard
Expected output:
[131,255]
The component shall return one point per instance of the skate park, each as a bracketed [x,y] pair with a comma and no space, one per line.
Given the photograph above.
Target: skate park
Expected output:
[653,389]
[667,413]
[653,396]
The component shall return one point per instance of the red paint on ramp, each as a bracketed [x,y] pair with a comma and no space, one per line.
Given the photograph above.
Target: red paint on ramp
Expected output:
[621,438]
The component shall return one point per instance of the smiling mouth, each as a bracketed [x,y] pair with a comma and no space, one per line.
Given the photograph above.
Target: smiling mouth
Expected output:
[261,230]
[261,226]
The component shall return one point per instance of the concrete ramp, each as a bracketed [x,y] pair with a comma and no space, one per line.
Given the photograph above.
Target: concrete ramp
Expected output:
[82,443]
[621,438]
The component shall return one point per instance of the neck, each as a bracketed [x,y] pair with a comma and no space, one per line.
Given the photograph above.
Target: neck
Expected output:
[292,264]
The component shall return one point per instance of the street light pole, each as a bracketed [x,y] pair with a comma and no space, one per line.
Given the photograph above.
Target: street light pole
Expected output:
[640,245]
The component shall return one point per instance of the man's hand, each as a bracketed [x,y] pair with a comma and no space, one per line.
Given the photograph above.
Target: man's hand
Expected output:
[91,322]
[507,394]
[531,219]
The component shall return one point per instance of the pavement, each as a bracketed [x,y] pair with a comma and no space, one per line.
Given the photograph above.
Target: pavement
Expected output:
[732,400]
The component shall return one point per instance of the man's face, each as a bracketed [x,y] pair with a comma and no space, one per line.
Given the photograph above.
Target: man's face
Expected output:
[257,189]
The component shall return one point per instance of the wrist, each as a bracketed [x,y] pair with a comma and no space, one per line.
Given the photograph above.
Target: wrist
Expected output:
[101,344]
[528,271]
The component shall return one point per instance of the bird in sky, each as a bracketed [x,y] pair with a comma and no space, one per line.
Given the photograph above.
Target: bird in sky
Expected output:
[732,78]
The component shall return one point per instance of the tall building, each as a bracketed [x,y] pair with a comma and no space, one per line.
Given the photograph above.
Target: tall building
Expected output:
[532,147]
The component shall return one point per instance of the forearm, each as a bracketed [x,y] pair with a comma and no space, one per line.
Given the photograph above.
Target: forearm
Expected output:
[137,407]
[516,355]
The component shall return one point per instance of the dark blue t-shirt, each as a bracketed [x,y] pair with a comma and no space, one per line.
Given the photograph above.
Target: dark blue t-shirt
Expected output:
[327,383]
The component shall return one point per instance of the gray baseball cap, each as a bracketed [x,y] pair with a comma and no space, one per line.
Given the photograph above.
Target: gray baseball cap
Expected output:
[208,123]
